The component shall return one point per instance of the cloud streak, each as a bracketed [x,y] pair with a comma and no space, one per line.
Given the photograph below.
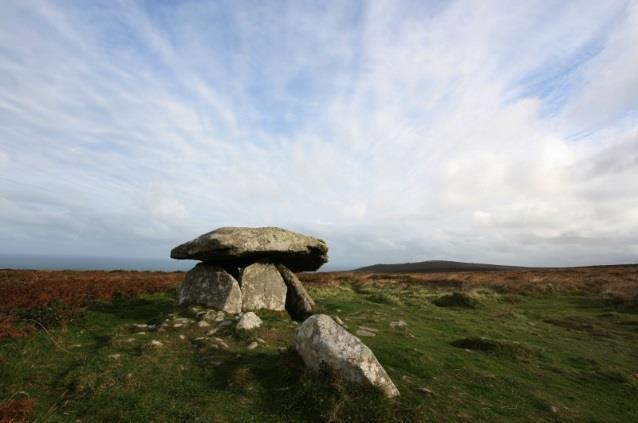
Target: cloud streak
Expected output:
[396,130]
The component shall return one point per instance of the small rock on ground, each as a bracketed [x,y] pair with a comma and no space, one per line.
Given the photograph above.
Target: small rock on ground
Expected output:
[398,324]
[222,343]
[140,326]
[156,343]
[425,391]
[253,345]
[248,321]
[363,332]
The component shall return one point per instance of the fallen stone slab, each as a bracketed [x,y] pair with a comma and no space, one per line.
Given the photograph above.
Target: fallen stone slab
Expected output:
[240,246]
[299,304]
[322,343]
[211,286]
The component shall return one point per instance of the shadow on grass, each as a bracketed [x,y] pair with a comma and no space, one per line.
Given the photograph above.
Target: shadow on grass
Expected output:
[598,303]
[151,309]
[280,385]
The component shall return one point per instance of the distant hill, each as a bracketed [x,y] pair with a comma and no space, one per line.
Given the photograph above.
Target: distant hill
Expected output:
[434,266]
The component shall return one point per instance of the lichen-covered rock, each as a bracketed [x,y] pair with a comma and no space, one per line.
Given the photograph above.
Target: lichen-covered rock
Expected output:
[262,287]
[248,321]
[211,286]
[299,304]
[238,247]
[323,344]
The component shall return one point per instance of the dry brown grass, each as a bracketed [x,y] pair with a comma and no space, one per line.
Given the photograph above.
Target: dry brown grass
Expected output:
[617,285]
[56,296]
[16,410]
[23,289]
[65,292]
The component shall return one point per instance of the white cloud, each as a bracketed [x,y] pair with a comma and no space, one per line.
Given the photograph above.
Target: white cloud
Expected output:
[397,132]
[612,87]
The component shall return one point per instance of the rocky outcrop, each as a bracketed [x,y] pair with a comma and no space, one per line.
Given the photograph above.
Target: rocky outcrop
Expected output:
[211,286]
[299,304]
[323,344]
[262,287]
[236,246]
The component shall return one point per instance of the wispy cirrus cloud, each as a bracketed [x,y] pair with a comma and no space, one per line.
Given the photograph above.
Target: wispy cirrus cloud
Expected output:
[396,130]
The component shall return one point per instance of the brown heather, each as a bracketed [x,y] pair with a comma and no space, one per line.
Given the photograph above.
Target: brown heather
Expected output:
[67,291]
[617,285]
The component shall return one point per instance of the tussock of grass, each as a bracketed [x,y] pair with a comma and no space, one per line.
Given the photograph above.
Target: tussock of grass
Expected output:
[572,323]
[457,299]
[498,347]
[384,298]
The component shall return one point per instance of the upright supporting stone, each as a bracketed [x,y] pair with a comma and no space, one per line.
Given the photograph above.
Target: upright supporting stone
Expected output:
[299,304]
[262,287]
[211,286]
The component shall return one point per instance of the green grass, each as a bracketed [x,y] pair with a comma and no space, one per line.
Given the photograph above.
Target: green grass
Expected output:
[549,358]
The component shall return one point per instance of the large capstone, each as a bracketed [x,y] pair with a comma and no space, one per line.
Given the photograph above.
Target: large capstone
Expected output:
[211,286]
[299,304]
[239,247]
[323,344]
[262,287]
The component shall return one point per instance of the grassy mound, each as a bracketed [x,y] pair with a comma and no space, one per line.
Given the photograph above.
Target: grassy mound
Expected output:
[457,299]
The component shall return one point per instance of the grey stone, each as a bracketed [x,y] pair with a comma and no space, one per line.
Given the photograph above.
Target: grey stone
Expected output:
[398,324]
[248,321]
[262,287]
[238,247]
[299,304]
[425,391]
[210,285]
[222,343]
[363,332]
[323,344]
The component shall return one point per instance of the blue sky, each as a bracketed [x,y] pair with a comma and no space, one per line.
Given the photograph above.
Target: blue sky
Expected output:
[398,131]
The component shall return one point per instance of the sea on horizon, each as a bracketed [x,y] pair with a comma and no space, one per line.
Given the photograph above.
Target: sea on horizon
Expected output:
[53,262]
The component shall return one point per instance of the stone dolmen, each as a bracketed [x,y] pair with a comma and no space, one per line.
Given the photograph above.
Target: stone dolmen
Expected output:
[249,269]
[243,270]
